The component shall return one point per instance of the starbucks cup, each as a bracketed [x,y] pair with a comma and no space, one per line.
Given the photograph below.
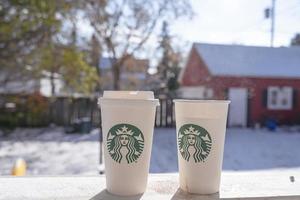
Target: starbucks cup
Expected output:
[200,128]
[127,126]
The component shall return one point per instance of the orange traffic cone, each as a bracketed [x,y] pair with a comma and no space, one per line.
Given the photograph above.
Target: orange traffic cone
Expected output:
[19,169]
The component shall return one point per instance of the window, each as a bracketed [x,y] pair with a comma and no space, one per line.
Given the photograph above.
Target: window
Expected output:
[280,98]
[208,93]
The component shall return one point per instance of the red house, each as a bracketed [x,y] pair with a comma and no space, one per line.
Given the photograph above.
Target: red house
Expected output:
[261,82]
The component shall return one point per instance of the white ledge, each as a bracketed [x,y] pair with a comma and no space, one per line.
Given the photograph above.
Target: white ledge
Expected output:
[234,185]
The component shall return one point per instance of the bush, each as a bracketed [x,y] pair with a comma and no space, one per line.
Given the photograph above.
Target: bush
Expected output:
[18,110]
[37,109]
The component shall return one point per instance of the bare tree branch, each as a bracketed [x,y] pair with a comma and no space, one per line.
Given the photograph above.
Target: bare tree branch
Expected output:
[118,23]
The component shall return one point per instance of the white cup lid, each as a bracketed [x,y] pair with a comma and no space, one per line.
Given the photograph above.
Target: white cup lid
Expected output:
[147,95]
[128,98]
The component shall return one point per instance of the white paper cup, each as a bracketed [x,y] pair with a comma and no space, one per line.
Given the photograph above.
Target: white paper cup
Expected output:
[127,125]
[200,127]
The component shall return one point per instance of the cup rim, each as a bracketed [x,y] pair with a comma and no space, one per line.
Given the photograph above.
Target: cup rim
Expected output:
[119,101]
[128,94]
[201,101]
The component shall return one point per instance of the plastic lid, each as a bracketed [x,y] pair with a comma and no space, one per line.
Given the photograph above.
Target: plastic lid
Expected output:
[200,101]
[146,95]
[128,97]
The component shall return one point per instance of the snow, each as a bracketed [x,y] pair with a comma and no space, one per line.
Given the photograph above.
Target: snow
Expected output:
[49,151]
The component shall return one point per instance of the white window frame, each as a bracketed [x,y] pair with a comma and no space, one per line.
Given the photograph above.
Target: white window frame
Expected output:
[284,94]
[199,92]
[208,93]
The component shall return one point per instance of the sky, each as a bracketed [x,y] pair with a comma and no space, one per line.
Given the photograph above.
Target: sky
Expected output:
[227,22]
[239,22]
[234,22]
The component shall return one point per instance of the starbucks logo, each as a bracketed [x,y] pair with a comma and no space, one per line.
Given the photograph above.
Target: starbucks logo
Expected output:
[125,142]
[194,141]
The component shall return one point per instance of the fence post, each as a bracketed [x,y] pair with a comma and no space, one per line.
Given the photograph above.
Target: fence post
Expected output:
[161,113]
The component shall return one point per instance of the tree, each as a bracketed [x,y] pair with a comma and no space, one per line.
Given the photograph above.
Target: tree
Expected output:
[123,27]
[22,31]
[34,43]
[70,65]
[169,65]
[296,40]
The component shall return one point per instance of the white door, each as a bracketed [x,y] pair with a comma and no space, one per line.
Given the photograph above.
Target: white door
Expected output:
[238,107]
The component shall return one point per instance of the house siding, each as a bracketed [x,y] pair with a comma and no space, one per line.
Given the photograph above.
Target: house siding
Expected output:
[256,86]
[197,74]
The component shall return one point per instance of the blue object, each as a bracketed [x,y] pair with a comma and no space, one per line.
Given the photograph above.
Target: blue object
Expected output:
[80,125]
[271,124]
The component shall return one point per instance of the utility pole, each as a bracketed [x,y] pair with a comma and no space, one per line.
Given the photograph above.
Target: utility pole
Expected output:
[272,23]
[270,13]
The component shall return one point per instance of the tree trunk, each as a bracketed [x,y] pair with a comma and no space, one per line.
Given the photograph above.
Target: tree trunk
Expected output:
[52,84]
[96,58]
[116,76]
[51,106]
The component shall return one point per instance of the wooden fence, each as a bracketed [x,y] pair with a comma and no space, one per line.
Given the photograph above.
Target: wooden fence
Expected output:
[165,113]
[64,111]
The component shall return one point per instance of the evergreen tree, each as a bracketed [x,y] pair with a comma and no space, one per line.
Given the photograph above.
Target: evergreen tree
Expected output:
[95,56]
[168,68]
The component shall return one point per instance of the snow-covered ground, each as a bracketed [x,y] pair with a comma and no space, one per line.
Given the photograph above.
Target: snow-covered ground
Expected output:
[49,151]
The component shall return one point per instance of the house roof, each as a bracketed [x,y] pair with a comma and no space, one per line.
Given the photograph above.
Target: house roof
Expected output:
[105,62]
[133,64]
[250,61]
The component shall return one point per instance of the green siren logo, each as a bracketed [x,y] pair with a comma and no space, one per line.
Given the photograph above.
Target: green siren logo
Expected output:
[125,141]
[194,141]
